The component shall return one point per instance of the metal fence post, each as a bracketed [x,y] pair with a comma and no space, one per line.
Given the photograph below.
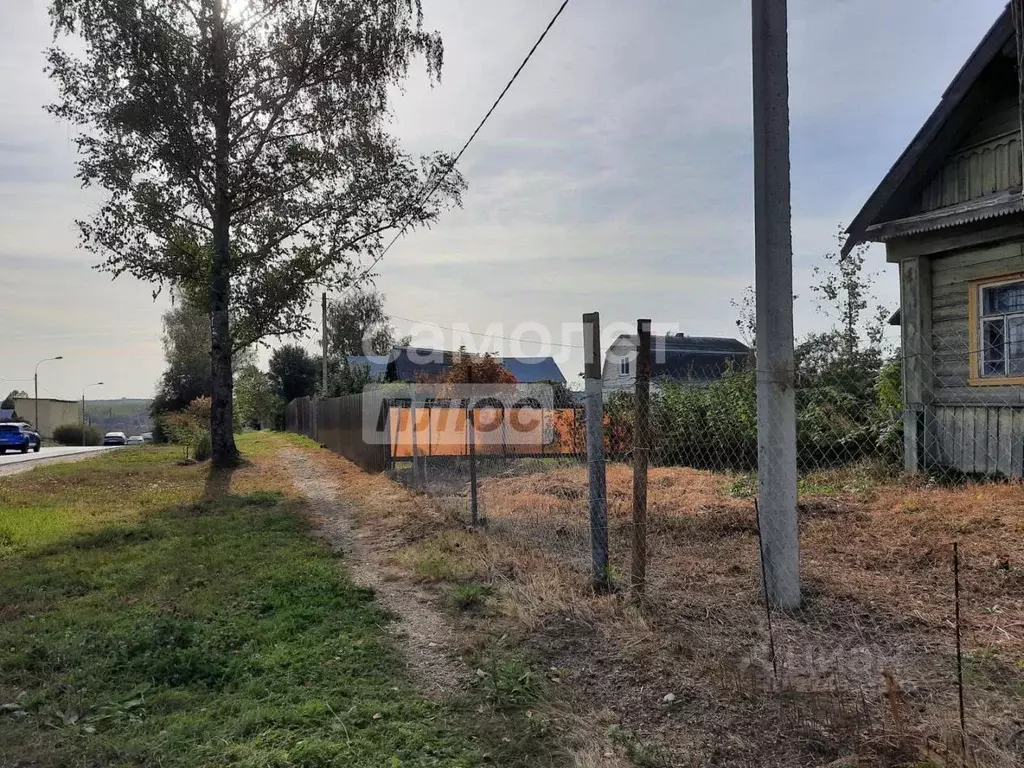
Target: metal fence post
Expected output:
[773,258]
[474,516]
[641,455]
[417,474]
[595,449]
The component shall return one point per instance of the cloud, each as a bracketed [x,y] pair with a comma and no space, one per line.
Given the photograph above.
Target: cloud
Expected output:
[616,175]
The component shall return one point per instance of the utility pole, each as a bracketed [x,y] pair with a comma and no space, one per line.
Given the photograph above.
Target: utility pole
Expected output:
[773,258]
[323,343]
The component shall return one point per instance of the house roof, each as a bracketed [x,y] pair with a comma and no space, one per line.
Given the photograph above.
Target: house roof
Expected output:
[929,147]
[529,370]
[377,364]
[411,363]
[693,357]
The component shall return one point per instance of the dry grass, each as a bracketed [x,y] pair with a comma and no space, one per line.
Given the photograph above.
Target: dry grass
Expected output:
[877,569]
[866,668]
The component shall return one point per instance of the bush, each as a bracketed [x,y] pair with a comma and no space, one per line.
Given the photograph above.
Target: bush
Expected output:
[190,429]
[848,407]
[71,434]
[203,448]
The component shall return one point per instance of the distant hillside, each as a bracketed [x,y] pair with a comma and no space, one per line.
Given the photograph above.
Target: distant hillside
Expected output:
[126,415]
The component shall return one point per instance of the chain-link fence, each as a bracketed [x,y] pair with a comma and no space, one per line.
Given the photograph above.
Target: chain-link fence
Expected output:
[907,641]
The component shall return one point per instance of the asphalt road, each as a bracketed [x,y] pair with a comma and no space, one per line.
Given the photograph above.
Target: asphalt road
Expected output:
[20,462]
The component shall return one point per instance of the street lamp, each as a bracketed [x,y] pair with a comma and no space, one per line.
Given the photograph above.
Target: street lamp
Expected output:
[95,384]
[35,378]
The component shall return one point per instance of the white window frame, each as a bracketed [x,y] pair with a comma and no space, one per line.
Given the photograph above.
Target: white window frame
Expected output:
[624,365]
[981,366]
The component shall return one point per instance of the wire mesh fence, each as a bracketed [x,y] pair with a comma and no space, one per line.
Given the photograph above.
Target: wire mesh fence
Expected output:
[908,640]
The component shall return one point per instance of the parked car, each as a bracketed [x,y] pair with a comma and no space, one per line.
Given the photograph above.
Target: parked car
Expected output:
[115,438]
[135,440]
[147,437]
[18,437]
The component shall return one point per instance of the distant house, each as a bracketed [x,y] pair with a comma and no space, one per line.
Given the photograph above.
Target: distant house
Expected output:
[678,357]
[411,364]
[950,215]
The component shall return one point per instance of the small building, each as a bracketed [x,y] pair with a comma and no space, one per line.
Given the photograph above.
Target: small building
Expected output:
[950,215]
[677,357]
[52,413]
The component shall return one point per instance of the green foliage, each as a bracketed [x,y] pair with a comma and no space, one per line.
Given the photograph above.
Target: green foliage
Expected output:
[358,325]
[256,403]
[348,379]
[466,597]
[188,375]
[71,434]
[293,373]
[190,429]
[511,684]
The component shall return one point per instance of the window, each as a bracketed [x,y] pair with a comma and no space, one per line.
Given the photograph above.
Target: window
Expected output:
[624,367]
[998,347]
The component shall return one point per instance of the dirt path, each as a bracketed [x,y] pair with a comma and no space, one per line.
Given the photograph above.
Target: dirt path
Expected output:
[426,638]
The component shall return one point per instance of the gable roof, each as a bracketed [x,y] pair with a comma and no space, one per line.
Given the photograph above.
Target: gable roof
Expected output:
[530,370]
[692,357]
[410,363]
[937,136]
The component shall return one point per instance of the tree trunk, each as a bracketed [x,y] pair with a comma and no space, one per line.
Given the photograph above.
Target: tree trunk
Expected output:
[222,437]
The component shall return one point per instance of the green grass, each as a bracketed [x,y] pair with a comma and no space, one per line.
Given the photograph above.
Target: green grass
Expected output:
[147,619]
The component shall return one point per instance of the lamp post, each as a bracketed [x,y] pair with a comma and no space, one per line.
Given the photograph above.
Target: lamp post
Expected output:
[35,379]
[96,384]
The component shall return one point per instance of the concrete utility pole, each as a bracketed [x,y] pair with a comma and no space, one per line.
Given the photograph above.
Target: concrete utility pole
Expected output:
[323,343]
[773,257]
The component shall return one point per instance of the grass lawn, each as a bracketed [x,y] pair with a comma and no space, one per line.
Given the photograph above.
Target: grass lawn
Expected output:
[149,615]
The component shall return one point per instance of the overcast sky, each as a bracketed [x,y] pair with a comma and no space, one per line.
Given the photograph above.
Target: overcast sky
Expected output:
[616,176]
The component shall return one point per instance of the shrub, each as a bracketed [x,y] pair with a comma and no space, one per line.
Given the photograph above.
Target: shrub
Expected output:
[190,428]
[71,434]
[203,449]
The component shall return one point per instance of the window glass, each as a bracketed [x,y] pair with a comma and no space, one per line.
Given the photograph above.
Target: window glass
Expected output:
[1015,344]
[993,342]
[1004,299]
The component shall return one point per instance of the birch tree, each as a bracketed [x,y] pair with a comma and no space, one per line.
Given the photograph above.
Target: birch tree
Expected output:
[256,128]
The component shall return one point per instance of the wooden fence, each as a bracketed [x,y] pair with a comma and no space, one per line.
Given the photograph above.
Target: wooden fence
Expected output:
[372,432]
[354,426]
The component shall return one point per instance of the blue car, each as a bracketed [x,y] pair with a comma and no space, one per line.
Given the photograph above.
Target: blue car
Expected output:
[18,437]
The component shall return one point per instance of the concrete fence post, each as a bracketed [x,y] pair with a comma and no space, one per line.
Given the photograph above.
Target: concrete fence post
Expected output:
[641,456]
[773,257]
[595,450]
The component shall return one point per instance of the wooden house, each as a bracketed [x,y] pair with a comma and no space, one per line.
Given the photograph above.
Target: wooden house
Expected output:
[951,214]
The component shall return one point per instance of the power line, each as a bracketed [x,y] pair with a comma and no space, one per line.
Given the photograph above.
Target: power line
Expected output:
[421,200]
